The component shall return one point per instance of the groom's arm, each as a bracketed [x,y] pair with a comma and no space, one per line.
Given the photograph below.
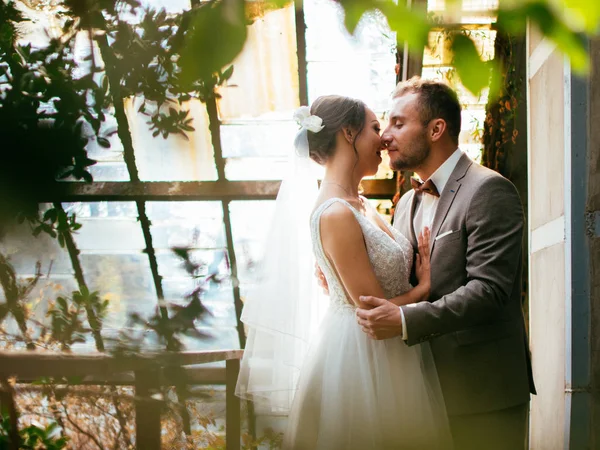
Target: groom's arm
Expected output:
[494,226]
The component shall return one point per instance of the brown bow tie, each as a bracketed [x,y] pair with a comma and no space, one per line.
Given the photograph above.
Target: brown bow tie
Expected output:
[427,187]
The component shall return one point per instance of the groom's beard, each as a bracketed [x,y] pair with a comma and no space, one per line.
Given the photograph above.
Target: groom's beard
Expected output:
[413,155]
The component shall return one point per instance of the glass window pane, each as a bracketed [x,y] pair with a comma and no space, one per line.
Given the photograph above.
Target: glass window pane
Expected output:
[265,74]
[479,5]
[249,237]
[111,244]
[257,149]
[125,280]
[111,165]
[258,138]
[256,107]
[23,252]
[222,338]
[171,6]
[42,23]
[249,234]
[361,66]
[177,283]
[465,11]
[198,226]
[107,227]
[176,158]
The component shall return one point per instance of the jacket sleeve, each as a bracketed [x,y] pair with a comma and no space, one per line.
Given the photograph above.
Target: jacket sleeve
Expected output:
[494,227]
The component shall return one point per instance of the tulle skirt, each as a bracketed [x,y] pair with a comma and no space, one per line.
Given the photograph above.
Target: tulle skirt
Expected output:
[358,393]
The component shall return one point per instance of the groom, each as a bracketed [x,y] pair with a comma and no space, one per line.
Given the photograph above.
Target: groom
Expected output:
[473,320]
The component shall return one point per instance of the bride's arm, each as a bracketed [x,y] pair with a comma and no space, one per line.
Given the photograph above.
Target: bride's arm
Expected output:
[417,294]
[344,245]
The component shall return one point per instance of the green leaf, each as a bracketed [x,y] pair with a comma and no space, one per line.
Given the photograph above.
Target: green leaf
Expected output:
[87,177]
[227,74]
[585,12]
[62,303]
[103,142]
[51,215]
[202,55]
[411,26]
[278,3]
[66,174]
[354,10]
[473,72]
[552,25]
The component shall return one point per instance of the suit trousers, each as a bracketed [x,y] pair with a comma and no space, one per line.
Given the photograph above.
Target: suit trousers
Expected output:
[505,429]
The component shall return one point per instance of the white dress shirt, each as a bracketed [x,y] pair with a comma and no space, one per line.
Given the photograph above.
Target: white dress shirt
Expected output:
[427,206]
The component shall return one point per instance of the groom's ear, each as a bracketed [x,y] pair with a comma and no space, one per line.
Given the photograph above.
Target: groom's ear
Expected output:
[437,127]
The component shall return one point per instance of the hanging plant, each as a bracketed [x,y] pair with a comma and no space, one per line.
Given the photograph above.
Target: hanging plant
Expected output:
[500,125]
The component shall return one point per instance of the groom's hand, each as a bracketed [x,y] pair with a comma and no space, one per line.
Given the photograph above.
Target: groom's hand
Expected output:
[383,321]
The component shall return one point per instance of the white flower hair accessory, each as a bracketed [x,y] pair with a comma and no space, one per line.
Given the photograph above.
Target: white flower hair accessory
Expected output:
[312,123]
[307,123]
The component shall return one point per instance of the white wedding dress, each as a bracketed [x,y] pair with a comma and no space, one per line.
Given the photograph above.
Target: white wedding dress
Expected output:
[358,393]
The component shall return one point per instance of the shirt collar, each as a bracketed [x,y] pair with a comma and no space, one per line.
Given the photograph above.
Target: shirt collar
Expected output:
[441,176]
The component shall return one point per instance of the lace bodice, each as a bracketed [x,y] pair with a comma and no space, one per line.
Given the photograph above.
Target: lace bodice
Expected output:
[391,259]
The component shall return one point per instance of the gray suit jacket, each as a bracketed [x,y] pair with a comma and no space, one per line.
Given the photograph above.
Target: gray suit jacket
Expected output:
[474,320]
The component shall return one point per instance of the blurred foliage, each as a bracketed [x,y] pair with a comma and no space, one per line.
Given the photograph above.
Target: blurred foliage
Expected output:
[73,319]
[33,437]
[52,107]
[167,330]
[69,322]
[563,22]
[67,325]
[42,103]
[500,126]
[47,98]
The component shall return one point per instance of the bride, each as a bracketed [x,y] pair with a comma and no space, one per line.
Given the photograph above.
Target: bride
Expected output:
[342,390]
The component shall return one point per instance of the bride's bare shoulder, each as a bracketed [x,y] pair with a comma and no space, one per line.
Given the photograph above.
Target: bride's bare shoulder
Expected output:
[336,211]
[333,208]
[338,219]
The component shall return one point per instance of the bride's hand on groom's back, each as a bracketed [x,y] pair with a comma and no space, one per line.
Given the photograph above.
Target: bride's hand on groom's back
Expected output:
[321,279]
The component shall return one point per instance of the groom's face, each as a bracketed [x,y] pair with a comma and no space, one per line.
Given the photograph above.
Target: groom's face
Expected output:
[405,137]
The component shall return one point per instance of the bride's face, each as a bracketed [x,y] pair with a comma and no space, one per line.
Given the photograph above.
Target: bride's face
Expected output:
[368,145]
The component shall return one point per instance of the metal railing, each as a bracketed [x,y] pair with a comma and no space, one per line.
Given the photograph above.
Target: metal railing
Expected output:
[145,373]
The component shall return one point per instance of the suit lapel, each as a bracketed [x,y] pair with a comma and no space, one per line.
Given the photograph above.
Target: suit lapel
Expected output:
[447,196]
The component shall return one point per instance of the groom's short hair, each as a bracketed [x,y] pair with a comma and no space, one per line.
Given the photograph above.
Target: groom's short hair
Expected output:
[436,100]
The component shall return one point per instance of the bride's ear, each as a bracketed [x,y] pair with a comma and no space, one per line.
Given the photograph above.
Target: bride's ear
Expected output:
[348,135]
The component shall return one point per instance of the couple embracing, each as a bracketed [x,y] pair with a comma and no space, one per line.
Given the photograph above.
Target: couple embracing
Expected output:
[423,344]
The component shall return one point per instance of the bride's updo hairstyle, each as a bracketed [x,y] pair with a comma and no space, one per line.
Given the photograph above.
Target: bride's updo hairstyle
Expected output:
[337,112]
